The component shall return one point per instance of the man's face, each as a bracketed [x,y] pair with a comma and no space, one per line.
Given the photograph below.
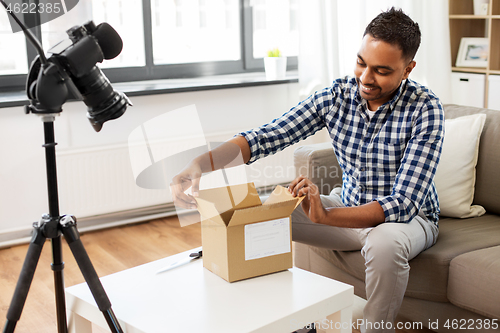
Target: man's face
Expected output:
[379,70]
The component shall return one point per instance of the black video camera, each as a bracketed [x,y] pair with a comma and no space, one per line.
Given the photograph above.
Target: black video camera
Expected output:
[72,69]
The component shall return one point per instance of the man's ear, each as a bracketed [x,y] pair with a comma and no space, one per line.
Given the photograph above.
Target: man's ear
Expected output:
[408,69]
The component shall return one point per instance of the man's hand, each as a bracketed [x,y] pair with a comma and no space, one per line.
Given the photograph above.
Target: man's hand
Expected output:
[312,206]
[188,177]
[233,152]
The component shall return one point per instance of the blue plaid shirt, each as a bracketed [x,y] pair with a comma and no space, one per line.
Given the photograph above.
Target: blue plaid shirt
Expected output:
[391,158]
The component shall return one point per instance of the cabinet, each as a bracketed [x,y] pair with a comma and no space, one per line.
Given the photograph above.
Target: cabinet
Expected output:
[493,95]
[463,23]
[467,89]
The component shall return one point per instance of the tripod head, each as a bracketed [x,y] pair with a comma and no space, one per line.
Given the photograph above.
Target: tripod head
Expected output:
[71,71]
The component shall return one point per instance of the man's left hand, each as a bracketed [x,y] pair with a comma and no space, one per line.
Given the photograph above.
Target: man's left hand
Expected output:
[312,206]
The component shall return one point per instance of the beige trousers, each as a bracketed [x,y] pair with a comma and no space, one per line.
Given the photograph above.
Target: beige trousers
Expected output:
[387,248]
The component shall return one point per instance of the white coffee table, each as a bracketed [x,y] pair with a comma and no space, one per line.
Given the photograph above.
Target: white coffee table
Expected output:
[190,298]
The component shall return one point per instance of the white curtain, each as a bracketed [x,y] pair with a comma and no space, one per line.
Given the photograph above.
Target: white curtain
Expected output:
[331,32]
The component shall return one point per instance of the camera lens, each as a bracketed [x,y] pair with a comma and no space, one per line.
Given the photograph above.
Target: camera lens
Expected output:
[103,102]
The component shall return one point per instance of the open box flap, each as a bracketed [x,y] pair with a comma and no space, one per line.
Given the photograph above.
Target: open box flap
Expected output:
[281,194]
[209,212]
[225,200]
[263,213]
[232,197]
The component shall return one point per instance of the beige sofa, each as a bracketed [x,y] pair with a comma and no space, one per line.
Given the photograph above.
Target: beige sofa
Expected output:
[454,284]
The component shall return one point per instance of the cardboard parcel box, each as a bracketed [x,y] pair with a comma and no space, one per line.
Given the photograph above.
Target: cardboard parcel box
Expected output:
[243,238]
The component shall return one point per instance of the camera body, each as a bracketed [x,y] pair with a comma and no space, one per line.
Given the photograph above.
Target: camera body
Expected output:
[72,70]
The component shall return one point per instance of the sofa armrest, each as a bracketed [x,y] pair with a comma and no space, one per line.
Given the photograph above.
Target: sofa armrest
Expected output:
[318,163]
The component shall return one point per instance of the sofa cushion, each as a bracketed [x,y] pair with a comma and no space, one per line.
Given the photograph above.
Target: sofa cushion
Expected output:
[430,269]
[488,163]
[474,280]
[456,173]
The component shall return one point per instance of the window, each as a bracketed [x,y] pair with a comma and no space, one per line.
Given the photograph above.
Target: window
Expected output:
[126,17]
[12,48]
[121,15]
[190,31]
[166,38]
[275,26]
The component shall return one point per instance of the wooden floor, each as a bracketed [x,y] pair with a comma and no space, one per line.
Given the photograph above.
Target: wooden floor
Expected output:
[110,251]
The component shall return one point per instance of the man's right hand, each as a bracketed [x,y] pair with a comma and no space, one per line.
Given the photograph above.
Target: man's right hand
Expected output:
[188,177]
[233,152]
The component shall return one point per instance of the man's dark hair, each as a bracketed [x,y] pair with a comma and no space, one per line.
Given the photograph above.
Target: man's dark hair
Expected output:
[396,28]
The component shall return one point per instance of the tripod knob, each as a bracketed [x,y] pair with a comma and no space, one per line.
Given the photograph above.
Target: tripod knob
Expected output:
[67,220]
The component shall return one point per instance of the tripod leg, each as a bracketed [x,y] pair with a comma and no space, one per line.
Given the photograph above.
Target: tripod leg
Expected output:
[25,279]
[73,238]
[57,268]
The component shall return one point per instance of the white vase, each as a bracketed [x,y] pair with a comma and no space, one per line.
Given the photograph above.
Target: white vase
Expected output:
[481,7]
[275,68]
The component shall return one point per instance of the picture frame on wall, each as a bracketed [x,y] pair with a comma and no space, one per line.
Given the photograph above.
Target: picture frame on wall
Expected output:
[473,52]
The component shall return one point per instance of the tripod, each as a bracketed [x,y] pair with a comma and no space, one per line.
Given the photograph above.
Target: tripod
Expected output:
[51,226]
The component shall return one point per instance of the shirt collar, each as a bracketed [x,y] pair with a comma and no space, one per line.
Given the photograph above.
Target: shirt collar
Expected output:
[397,96]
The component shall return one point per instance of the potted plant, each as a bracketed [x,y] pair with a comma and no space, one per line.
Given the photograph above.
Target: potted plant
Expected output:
[275,65]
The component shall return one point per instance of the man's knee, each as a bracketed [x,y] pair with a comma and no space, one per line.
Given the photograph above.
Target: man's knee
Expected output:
[385,247]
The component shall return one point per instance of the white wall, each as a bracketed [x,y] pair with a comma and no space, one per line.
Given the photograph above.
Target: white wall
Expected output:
[23,195]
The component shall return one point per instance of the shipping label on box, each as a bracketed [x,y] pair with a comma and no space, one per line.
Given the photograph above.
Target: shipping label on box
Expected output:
[264,239]
[243,238]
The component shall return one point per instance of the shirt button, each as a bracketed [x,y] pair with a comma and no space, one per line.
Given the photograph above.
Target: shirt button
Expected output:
[362,169]
[361,188]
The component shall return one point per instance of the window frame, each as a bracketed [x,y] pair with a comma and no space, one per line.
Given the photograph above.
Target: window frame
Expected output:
[12,82]
[150,71]
[252,63]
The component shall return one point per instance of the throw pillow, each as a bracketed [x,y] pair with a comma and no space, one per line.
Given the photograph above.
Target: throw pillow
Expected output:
[456,173]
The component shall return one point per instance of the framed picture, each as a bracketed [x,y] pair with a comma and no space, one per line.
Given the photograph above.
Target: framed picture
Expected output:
[473,52]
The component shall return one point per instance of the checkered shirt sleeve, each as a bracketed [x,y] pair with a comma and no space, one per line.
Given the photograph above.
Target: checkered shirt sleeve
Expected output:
[297,124]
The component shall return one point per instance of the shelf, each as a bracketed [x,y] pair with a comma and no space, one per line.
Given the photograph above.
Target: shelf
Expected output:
[460,7]
[469,16]
[495,10]
[475,70]
[473,17]
[463,23]
[469,70]
[495,45]
[465,9]
[464,28]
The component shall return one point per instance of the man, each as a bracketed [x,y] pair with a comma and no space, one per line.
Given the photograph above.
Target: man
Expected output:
[387,132]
